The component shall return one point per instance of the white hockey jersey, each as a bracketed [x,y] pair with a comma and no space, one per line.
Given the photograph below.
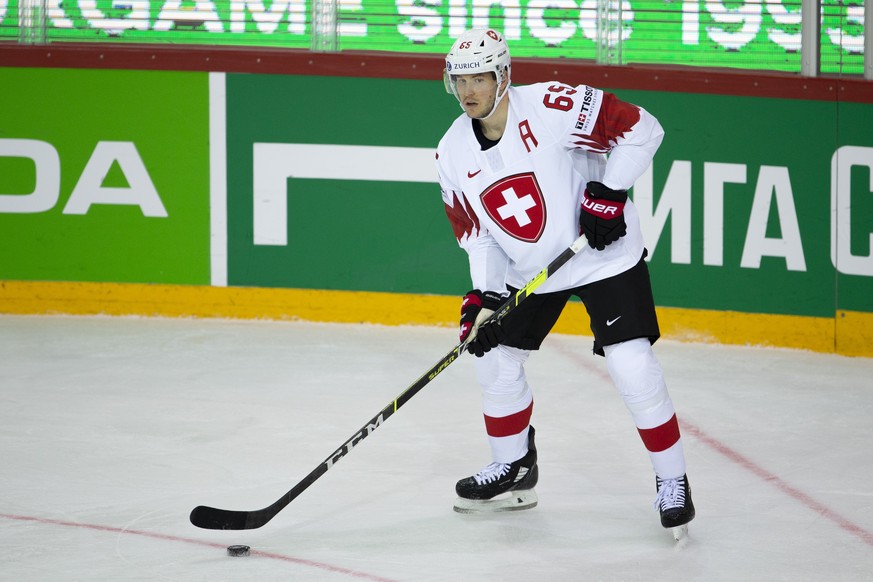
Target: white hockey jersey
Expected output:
[515,206]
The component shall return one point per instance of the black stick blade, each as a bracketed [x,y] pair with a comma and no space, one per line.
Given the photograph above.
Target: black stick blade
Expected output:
[214,518]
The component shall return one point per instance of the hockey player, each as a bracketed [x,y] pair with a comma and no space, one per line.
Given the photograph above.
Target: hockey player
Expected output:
[522,172]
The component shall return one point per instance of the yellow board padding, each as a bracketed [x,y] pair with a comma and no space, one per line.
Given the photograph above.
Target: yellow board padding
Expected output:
[31,297]
[854,333]
[733,327]
[727,327]
[848,333]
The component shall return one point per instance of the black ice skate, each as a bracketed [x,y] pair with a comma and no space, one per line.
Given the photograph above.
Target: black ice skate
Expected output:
[675,505]
[501,486]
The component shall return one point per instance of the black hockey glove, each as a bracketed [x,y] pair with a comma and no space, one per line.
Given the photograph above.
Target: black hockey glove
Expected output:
[476,308]
[602,219]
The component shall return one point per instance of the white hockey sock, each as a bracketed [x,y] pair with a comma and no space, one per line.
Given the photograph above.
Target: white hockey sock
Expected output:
[507,401]
[638,376]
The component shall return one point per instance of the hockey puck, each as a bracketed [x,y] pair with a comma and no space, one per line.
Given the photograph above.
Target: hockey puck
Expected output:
[238,550]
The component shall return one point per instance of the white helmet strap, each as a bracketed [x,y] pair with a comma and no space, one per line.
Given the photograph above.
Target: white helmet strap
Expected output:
[498,94]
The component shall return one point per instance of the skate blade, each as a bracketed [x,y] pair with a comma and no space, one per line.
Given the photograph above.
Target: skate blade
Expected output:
[515,501]
[680,533]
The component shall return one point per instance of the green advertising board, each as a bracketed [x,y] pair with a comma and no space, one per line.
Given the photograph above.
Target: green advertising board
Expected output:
[750,221]
[745,208]
[753,34]
[351,233]
[104,176]
[754,205]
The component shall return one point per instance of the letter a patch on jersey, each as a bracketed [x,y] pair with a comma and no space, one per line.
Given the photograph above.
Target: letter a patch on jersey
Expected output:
[516,204]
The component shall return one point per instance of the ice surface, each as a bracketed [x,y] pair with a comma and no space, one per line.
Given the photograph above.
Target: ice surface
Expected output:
[113,429]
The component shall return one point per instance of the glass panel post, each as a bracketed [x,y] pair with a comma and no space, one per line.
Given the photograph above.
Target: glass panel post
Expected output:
[810,38]
[324,26]
[32,22]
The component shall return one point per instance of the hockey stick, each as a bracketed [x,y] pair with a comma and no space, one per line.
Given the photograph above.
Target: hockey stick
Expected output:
[214,518]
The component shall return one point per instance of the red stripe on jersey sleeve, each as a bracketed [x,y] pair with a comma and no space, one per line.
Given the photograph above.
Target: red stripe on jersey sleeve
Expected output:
[614,120]
[661,438]
[463,220]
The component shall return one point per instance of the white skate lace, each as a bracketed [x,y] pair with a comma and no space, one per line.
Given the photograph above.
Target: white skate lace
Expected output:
[671,494]
[491,473]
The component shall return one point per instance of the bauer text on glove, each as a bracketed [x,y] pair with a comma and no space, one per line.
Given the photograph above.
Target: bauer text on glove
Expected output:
[602,218]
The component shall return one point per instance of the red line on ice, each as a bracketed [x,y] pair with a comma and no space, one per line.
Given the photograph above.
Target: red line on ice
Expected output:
[732,455]
[774,480]
[172,538]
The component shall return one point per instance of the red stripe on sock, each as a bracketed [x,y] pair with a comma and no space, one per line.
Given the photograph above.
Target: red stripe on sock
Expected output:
[661,437]
[502,426]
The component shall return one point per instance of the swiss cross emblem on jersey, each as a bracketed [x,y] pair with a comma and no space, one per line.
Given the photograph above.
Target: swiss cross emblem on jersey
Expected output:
[516,204]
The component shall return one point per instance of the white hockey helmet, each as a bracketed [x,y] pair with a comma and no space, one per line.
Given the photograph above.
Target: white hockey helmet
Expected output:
[480,50]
